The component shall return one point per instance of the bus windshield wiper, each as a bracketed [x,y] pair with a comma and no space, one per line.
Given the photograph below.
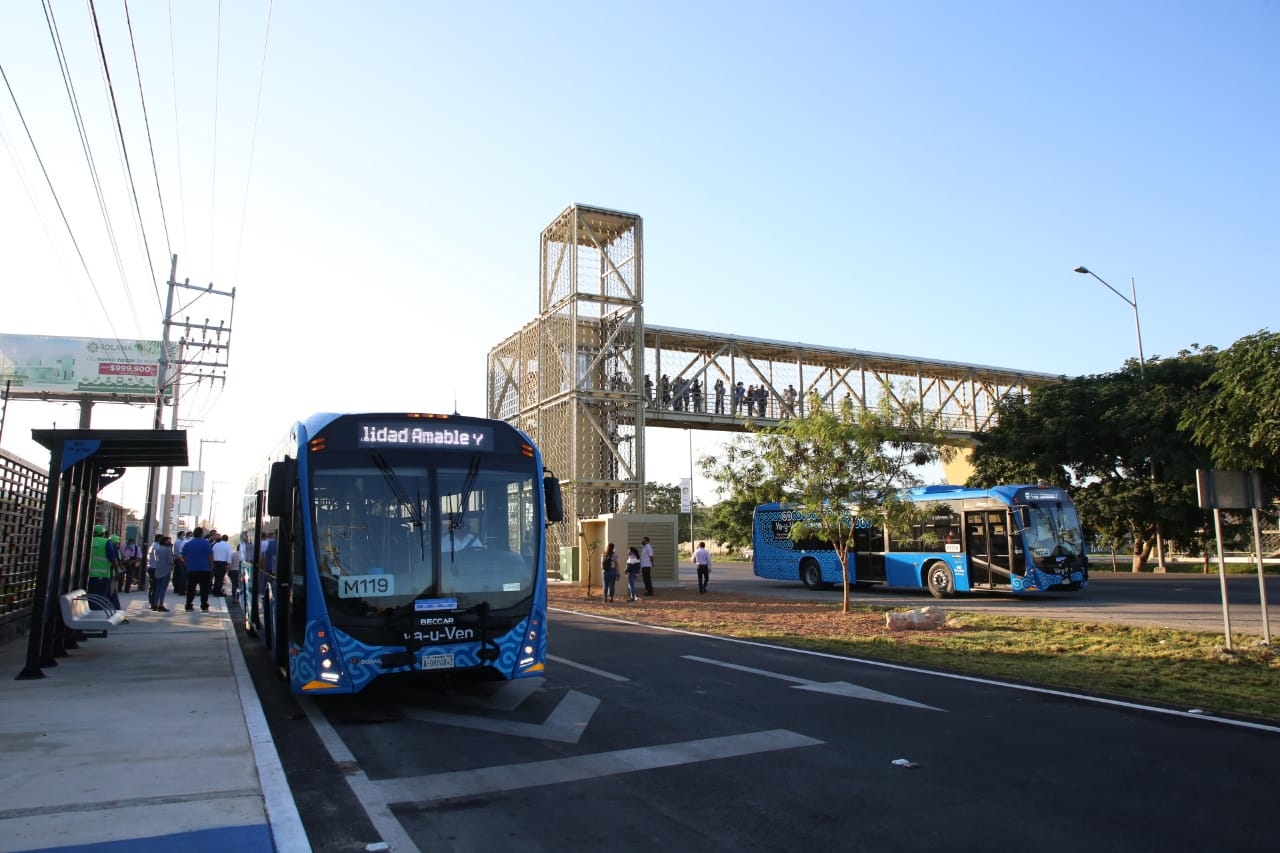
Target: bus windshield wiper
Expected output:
[414,508]
[464,498]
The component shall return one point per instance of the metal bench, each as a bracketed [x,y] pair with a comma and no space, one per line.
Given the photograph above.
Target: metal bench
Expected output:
[77,614]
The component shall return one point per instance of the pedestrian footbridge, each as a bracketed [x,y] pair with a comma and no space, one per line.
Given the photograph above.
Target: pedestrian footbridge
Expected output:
[585,378]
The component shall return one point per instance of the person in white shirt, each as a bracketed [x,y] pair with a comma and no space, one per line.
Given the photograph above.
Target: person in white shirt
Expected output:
[702,560]
[646,565]
[221,558]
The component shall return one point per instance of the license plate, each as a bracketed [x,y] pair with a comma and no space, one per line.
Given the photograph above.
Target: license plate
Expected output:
[437,662]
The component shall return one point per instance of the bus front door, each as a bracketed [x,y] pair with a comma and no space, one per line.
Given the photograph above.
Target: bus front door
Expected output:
[987,544]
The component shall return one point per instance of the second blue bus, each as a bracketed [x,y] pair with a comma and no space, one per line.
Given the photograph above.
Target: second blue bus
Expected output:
[400,543]
[1012,538]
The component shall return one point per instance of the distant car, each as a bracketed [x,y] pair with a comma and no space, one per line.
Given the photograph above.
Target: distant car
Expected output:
[746,554]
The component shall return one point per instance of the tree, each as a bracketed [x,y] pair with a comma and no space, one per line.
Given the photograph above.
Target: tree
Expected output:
[1238,420]
[1102,437]
[664,499]
[833,467]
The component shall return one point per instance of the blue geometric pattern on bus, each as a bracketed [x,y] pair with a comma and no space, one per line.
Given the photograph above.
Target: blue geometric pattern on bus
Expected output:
[780,559]
[361,662]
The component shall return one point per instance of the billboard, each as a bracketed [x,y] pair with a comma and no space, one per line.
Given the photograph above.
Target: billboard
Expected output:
[44,367]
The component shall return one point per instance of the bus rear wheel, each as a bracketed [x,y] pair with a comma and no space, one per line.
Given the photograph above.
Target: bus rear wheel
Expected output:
[811,574]
[940,580]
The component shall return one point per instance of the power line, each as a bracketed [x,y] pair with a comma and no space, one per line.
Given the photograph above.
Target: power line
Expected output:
[253,140]
[48,181]
[150,147]
[217,85]
[128,167]
[177,135]
[56,37]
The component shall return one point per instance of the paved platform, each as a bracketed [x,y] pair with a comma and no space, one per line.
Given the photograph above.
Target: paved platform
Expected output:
[150,739]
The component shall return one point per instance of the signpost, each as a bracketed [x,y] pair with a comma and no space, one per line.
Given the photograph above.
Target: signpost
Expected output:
[1219,490]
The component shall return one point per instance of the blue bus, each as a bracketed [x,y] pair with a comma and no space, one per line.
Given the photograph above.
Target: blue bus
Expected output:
[1012,538]
[399,543]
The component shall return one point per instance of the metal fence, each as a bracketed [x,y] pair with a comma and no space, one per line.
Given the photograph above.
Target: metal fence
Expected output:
[23,492]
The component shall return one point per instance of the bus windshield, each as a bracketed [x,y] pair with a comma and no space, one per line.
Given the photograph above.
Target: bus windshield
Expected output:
[390,532]
[1053,531]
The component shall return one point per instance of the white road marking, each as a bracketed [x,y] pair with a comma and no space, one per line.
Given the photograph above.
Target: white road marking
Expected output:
[389,829]
[835,688]
[591,669]
[512,777]
[954,676]
[565,724]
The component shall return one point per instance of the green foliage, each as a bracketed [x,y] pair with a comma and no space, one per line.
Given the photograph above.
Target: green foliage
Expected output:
[664,499]
[1104,437]
[829,466]
[1238,419]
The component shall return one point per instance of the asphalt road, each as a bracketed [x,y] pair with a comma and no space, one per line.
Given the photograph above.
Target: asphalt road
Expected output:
[1188,602]
[645,739]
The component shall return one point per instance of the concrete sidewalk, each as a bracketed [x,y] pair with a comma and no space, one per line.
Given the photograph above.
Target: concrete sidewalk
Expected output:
[151,739]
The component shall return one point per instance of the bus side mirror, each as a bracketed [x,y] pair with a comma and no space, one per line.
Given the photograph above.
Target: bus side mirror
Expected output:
[553,499]
[279,486]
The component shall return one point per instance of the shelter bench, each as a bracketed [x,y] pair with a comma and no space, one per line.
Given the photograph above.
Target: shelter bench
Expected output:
[77,614]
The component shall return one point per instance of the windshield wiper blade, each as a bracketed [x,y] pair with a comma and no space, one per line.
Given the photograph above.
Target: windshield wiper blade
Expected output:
[414,508]
[464,498]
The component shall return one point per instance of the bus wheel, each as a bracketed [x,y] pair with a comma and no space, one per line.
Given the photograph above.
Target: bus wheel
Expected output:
[940,580]
[811,574]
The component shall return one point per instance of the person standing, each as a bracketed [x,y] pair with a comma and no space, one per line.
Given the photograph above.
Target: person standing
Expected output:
[233,572]
[101,565]
[609,565]
[197,555]
[117,569]
[221,559]
[159,566]
[179,567]
[633,571]
[130,558]
[702,560]
[646,565]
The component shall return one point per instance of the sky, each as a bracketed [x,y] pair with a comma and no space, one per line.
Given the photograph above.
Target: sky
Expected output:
[371,181]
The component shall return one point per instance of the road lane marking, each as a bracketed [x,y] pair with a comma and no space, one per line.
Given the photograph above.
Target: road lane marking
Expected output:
[835,688]
[513,777]
[934,673]
[564,724]
[591,669]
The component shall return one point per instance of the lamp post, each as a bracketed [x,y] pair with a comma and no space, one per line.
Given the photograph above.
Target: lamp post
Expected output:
[1132,302]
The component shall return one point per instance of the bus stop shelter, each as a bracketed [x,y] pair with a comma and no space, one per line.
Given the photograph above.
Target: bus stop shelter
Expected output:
[81,463]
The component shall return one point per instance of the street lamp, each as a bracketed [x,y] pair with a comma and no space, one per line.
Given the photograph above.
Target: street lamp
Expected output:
[1132,302]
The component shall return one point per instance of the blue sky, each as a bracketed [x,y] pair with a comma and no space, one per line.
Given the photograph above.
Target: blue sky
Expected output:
[916,178]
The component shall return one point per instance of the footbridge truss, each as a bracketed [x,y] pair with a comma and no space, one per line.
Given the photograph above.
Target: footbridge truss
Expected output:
[586,377]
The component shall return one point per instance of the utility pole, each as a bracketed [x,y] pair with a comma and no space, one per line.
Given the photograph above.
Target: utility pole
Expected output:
[204,352]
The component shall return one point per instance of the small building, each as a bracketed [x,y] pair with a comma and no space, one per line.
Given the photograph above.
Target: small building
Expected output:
[625,530]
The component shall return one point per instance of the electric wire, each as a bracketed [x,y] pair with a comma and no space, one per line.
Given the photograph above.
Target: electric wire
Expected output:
[146,120]
[128,167]
[253,141]
[56,37]
[70,233]
[217,85]
[21,172]
[177,134]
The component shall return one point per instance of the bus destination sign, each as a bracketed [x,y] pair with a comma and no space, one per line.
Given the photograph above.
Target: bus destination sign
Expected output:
[443,436]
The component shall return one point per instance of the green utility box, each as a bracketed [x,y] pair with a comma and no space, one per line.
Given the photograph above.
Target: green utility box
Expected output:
[569,563]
